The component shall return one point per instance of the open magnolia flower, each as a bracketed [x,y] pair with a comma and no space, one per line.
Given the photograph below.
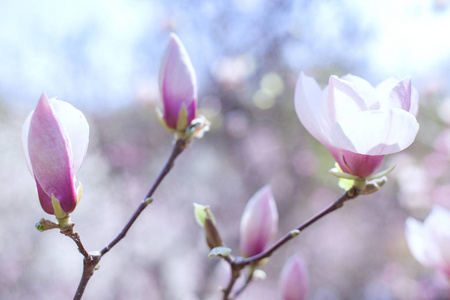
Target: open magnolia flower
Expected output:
[356,122]
[55,139]
[429,241]
[178,87]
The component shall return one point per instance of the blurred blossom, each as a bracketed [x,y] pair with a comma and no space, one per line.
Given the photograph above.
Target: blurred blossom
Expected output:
[294,279]
[233,71]
[259,222]
[55,139]
[440,195]
[442,142]
[429,241]
[356,122]
[236,123]
[178,87]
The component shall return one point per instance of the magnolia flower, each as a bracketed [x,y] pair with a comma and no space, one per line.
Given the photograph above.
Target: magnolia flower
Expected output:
[429,242]
[294,279]
[259,222]
[55,139]
[178,87]
[356,122]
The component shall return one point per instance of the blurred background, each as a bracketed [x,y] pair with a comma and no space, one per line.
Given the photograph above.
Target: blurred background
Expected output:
[103,57]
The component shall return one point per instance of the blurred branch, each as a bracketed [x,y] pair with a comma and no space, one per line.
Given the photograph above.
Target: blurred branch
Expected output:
[91,260]
[238,263]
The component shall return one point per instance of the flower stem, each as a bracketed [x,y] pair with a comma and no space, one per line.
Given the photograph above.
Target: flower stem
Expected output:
[91,260]
[238,263]
[179,146]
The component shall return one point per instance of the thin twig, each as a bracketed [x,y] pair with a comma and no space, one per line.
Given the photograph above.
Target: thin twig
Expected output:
[239,263]
[91,260]
[338,203]
[68,231]
[179,146]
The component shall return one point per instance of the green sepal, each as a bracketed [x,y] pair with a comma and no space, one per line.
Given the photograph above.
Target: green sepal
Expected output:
[182,121]
[381,174]
[201,212]
[61,216]
[219,251]
[79,192]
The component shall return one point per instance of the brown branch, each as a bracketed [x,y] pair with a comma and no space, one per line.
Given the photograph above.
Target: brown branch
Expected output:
[179,146]
[91,260]
[238,263]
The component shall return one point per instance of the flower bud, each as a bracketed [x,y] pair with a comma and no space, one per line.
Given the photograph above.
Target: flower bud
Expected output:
[55,139]
[178,87]
[259,222]
[294,279]
[205,218]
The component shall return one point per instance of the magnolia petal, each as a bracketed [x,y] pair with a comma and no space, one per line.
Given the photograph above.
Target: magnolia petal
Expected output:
[309,108]
[376,133]
[259,223]
[44,199]
[25,132]
[75,125]
[437,225]
[417,241]
[400,96]
[343,99]
[364,89]
[423,244]
[177,83]
[294,279]
[51,155]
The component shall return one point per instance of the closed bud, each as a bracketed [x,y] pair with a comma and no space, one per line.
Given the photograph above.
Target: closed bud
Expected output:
[294,279]
[178,88]
[259,222]
[55,139]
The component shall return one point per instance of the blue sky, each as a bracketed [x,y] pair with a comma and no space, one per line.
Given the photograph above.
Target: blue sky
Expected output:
[103,54]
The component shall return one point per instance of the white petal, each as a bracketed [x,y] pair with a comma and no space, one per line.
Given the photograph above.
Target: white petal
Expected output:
[364,89]
[375,132]
[417,241]
[310,109]
[76,127]
[343,100]
[25,132]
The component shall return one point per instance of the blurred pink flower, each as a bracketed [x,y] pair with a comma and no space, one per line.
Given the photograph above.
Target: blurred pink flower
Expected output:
[259,222]
[55,138]
[294,279]
[178,86]
[356,122]
[429,241]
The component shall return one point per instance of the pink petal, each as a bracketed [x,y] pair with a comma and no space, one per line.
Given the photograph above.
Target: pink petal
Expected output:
[259,223]
[51,157]
[177,83]
[357,164]
[294,279]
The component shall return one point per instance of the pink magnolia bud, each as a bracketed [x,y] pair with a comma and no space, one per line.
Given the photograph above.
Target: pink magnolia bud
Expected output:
[356,122]
[429,241]
[259,222]
[55,139]
[294,279]
[178,87]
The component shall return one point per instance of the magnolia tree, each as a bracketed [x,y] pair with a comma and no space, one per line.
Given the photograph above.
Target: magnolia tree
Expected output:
[359,124]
